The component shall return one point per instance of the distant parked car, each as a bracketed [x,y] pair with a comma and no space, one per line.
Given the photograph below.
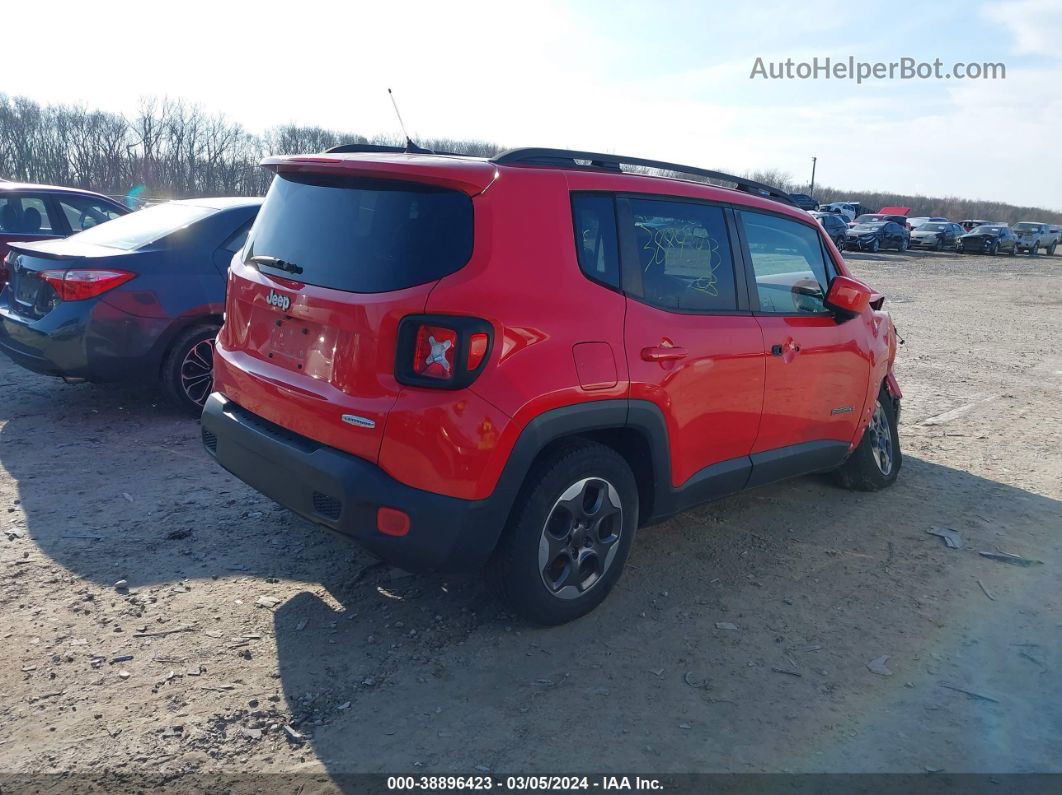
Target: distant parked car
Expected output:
[45,212]
[876,235]
[877,218]
[847,209]
[970,224]
[988,239]
[835,227]
[139,297]
[914,223]
[1032,236]
[803,201]
[936,235]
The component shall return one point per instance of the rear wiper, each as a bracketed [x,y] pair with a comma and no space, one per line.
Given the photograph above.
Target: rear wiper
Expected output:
[279,264]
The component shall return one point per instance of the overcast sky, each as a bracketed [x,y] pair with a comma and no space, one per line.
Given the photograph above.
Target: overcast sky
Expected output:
[662,80]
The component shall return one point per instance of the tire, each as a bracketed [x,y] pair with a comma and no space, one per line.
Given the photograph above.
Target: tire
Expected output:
[1013,251]
[187,375]
[901,246]
[993,249]
[864,470]
[874,247]
[532,569]
[1034,249]
[1051,249]
[940,244]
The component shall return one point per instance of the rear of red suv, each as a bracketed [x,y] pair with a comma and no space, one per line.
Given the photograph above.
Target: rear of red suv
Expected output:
[327,328]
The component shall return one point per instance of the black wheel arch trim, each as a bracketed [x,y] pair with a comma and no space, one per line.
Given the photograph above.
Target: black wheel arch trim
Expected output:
[164,344]
[646,418]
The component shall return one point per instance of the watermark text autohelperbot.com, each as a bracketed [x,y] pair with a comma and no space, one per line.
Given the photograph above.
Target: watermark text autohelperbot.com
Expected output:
[861,71]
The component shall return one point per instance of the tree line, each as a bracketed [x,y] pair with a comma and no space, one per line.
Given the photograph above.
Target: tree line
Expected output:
[170,149]
[167,149]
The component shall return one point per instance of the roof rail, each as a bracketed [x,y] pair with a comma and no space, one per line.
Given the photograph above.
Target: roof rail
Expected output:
[566,158]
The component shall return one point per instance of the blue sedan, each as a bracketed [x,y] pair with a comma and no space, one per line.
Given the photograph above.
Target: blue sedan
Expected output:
[139,297]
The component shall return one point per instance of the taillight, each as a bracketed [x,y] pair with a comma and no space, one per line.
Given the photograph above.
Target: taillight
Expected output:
[433,355]
[442,351]
[81,284]
[477,349]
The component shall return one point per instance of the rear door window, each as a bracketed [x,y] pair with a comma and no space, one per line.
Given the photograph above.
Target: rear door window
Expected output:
[26,215]
[684,255]
[360,235]
[84,212]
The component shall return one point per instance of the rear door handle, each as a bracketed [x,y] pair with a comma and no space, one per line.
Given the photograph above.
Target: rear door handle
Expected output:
[779,350]
[661,353]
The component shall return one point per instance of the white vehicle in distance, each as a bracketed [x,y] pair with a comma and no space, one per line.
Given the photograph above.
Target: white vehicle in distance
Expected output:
[914,223]
[1033,235]
[848,209]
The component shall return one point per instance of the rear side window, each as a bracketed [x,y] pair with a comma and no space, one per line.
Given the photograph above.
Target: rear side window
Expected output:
[594,219]
[237,238]
[684,255]
[788,262]
[25,215]
[83,212]
[359,235]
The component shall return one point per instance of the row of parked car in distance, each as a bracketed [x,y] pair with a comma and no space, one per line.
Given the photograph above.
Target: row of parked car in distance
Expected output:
[891,228]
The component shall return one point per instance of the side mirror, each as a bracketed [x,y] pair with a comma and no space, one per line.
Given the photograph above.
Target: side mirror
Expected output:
[848,297]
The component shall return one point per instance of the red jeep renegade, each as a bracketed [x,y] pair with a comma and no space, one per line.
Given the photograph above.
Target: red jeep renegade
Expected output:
[512,364]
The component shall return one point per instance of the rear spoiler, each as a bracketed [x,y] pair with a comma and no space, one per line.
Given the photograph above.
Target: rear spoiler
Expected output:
[28,248]
[471,176]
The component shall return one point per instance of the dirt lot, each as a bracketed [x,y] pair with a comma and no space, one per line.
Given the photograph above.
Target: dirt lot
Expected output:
[240,619]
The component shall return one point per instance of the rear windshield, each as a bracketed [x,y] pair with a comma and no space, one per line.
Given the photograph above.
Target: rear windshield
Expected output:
[144,227]
[360,235]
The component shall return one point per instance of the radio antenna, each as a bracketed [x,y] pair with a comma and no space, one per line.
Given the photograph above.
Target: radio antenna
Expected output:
[410,145]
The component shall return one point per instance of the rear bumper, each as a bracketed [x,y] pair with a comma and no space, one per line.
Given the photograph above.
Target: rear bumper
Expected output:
[89,340]
[344,492]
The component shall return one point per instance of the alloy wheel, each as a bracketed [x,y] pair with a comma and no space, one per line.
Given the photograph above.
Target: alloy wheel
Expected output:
[580,537]
[881,440]
[197,371]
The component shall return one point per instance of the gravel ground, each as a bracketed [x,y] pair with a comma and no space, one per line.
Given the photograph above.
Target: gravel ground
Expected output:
[746,636]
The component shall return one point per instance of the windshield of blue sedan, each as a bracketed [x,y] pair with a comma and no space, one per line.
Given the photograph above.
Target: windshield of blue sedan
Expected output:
[143,227]
[987,230]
